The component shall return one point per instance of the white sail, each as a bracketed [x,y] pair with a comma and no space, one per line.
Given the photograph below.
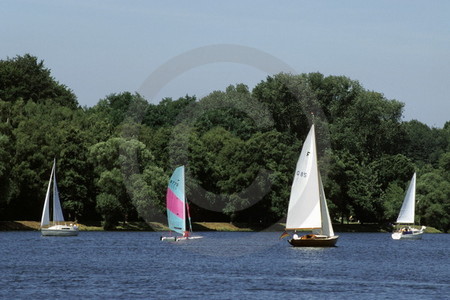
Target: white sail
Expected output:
[327,227]
[304,204]
[45,220]
[57,210]
[55,229]
[406,214]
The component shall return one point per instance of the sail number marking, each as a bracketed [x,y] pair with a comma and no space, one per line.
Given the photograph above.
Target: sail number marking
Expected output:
[302,174]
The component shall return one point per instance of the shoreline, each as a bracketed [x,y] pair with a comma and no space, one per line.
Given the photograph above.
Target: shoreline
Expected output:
[197,227]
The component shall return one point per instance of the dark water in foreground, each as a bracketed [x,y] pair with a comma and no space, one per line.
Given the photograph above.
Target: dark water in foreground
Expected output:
[130,265]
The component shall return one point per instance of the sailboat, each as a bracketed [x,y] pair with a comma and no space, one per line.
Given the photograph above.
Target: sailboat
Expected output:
[406,216]
[56,228]
[307,203]
[178,208]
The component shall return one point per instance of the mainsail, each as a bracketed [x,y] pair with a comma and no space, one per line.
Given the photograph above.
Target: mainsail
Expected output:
[176,201]
[406,215]
[57,210]
[304,204]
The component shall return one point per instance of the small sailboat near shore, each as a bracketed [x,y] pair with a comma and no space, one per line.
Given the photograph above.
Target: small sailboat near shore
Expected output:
[403,230]
[308,208]
[178,215]
[55,227]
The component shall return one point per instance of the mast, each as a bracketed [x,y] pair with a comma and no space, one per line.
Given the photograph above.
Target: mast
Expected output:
[189,216]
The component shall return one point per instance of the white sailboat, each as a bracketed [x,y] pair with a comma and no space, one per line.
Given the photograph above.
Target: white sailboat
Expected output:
[307,204]
[55,226]
[406,216]
[178,208]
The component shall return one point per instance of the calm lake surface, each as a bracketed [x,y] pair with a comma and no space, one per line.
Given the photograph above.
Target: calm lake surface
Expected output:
[222,265]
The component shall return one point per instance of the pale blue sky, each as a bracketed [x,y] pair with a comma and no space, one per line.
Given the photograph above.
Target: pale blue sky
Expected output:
[400,48]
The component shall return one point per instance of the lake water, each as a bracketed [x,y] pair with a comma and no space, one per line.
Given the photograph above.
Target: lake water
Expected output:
[222,265]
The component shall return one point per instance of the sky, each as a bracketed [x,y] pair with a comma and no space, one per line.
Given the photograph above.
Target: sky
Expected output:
[163,49]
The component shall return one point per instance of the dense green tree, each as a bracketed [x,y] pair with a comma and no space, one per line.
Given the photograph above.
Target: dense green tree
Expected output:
[433,196]
[118,108]
[117,162]
[370,127]
[77,177]
[39,137]
[24,77]
[167,111]
[392,198]
[364,192]
[148,193]
[272,154]
[110,208]
[423,144]
[392,168]
[334,93]
[289,101]
[5,172]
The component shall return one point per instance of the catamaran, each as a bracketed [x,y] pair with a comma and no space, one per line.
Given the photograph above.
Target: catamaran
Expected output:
[406,216]
[56,228]
[178,208]
[307,203]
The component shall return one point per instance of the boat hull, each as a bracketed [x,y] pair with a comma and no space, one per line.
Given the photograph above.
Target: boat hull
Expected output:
[179,238]
[314,241]
[60,230]
[409,234]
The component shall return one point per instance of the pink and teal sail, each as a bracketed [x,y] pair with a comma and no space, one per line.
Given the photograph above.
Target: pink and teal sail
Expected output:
[176,201]
[178,208]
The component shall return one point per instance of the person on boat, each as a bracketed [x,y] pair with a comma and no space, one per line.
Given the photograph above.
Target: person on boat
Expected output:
[295,236]
[186,234]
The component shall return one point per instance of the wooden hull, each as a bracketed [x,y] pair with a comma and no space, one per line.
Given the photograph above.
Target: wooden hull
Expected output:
[314,241]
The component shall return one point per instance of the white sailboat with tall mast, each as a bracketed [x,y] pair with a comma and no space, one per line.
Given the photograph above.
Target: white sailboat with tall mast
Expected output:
[406,216]
[308,208]
[55,227]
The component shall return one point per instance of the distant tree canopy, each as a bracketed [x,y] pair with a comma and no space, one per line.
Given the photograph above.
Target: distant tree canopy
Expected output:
[24,77]
[239,147]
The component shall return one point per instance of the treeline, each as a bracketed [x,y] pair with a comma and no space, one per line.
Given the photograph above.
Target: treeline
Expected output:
[239,147]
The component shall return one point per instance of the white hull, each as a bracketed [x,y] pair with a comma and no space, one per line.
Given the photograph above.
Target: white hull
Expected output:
[60,230]
[411,236]
[414,234]
[179,238]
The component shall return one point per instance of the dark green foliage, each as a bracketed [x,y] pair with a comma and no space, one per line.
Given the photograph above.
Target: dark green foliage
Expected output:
[110,208]
[240,148]
[392,198]
[166,112]
[424,145]
[289,100]
[24,77]
[117,108]
[433,197]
